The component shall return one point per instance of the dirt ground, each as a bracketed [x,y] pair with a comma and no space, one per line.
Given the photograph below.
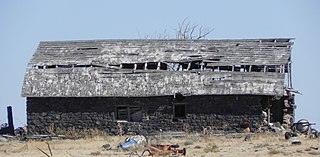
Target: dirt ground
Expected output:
[196,145]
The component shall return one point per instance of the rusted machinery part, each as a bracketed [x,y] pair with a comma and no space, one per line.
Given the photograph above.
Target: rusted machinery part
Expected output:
[135,153]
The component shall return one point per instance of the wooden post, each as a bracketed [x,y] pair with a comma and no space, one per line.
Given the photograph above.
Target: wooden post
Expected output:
[289,75]
[269,117]
[269,112]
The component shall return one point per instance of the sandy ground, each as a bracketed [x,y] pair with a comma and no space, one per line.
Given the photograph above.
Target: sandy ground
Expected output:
[259,145]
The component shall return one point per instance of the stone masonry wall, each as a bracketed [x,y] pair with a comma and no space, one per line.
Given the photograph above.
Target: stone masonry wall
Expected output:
[222,113]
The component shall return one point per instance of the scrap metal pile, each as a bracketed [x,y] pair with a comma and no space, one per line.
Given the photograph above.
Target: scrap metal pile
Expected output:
[302,127]
[152,149]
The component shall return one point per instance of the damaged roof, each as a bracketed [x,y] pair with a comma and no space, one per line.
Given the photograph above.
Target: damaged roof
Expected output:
[138,68]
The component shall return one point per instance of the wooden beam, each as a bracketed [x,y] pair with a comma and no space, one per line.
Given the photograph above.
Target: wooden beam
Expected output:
[145,66]
[289,75]
[135,67]
[189,66]
[158,66]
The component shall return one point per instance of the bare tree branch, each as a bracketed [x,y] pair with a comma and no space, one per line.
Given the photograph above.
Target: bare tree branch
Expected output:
[186,30]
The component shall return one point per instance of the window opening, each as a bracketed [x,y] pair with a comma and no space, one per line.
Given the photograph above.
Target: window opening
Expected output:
[122,113]
[132,114]
[179,110]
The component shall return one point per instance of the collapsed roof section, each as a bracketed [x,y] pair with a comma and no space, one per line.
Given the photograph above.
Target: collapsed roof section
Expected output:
[139,68]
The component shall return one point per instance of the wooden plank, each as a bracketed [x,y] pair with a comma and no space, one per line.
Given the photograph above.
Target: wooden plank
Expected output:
[85,82]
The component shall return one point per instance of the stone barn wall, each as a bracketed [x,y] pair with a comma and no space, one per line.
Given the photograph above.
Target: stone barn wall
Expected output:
[222,113]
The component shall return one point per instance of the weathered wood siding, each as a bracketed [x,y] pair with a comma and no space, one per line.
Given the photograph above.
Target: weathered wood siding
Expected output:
[52,71]
[92,82]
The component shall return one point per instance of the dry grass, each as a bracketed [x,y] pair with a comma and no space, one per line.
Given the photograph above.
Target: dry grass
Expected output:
[187,143]
[274,151]
[211,148]
[260,145]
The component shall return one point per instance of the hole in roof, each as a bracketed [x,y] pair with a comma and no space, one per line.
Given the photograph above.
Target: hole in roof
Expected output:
[82,65]
[51,66]
[152,65]
[195,56]
[87,48]
[127,66]
[65,66]
[140,66]
[214,59]
[163,66]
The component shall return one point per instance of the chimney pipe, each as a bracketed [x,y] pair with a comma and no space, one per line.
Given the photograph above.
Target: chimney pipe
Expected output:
[10,120]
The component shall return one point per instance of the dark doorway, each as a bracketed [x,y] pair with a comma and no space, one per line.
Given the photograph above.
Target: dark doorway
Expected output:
[179,110]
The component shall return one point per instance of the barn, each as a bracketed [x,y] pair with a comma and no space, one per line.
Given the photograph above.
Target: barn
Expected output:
[148,85]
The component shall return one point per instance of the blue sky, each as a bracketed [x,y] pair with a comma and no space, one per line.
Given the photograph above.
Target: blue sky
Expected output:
[23,24]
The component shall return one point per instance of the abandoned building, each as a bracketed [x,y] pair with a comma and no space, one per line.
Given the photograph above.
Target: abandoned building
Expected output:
[148,85]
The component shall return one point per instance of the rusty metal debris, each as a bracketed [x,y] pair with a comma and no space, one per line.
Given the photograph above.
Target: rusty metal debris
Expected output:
[302,127]
[314,147]
[152,149]
[42,151]
[166,149]
[162,150]
[295,141]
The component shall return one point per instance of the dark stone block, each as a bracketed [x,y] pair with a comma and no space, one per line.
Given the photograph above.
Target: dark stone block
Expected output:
[86,113]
